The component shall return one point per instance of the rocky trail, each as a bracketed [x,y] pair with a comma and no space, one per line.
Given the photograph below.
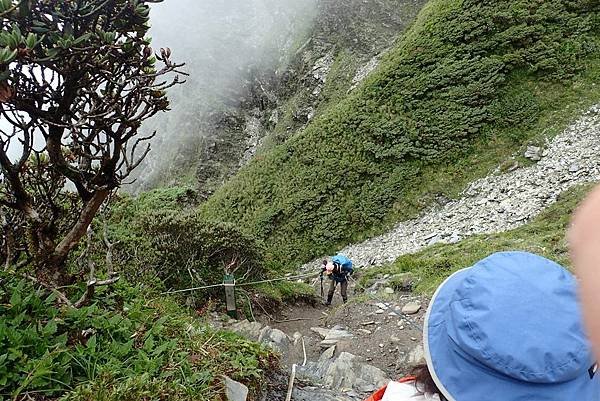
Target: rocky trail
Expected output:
[498,202]
[346,351]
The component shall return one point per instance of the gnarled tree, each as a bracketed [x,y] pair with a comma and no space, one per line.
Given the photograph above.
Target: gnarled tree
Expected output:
[77,79]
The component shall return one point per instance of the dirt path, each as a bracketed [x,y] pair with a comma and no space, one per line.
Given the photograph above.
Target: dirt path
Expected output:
[382,337]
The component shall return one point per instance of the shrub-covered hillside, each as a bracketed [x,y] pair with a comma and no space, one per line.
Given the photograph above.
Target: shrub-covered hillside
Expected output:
[469,83]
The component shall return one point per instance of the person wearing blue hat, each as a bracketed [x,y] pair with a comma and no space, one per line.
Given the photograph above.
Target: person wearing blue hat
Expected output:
[508,328]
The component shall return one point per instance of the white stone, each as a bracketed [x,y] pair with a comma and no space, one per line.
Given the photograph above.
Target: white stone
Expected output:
[411,308]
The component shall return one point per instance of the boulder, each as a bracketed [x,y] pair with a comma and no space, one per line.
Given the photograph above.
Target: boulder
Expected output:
[414,357]
[274,339]
[347,371]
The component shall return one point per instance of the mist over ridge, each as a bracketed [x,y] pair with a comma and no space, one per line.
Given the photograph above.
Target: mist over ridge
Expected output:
[223,43]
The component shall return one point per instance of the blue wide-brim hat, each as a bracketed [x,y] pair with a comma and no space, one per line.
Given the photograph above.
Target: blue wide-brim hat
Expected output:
[509,328]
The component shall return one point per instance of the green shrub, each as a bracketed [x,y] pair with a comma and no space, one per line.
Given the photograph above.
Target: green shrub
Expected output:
[466,85]
[127,346]
[190,251]
[160,239]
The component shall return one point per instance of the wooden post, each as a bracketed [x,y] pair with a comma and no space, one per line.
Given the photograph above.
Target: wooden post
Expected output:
[229,284]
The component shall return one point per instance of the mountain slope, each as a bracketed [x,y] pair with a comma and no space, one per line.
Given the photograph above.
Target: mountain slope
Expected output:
[471,80]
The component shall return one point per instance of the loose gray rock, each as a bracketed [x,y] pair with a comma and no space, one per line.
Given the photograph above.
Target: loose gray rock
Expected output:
[334,336]
[328,353]
[250,330]
[235,391]
[533,153]
[313,393]
[320,331]
[389,290]
[411,308]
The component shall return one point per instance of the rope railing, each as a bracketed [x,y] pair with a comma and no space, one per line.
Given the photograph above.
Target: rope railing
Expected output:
[233,284]
[308,275]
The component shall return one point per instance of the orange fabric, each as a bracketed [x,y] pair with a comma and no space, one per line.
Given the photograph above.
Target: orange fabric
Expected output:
[378,395]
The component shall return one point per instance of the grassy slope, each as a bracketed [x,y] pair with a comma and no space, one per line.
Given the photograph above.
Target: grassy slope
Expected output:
[138,345]
[545,235]
[469,83]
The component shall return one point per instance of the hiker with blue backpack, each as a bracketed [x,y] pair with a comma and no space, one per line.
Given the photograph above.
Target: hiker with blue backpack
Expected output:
[338,271]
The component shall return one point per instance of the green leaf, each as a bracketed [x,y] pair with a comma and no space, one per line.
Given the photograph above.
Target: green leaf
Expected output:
[5,5]
[82,38]
[91,343]
[50,328]
[149,343]
[15,298]
[31,40]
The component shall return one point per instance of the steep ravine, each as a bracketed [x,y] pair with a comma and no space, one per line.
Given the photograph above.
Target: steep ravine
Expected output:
[498,202]
[210,136]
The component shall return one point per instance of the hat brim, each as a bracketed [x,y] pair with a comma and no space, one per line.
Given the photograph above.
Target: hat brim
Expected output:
[462,379]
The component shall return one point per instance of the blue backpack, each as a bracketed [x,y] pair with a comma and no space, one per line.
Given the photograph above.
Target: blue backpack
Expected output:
[344,262]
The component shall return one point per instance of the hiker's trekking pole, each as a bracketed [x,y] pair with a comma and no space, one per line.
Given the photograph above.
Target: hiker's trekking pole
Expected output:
[322,294]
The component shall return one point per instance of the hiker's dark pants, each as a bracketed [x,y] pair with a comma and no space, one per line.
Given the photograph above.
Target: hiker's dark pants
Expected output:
[343,290]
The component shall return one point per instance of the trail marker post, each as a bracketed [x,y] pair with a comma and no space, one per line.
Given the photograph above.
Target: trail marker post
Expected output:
[229,284]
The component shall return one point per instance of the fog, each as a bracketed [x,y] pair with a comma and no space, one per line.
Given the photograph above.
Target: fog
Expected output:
[221,42]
